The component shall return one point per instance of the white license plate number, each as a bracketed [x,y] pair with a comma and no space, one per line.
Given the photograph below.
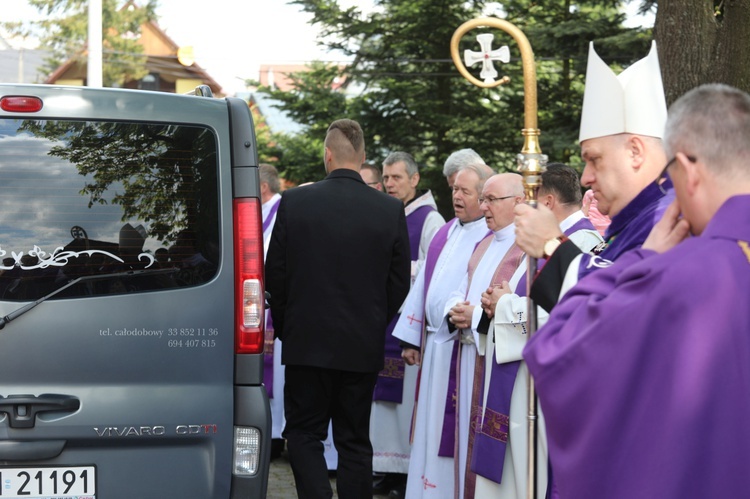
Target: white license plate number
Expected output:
[76,482]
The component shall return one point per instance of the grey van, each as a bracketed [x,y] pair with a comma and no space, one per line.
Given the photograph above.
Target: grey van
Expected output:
[131,296]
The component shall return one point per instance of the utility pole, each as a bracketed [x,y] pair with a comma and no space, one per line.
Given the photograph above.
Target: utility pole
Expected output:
[20,65]
[94,76]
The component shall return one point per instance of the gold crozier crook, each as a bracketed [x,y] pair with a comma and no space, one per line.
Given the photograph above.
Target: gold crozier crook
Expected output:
[531,163]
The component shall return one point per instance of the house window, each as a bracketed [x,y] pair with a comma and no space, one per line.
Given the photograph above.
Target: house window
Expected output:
[149,82]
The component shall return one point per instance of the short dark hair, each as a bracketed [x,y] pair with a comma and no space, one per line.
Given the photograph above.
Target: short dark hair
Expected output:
[343,134]
[563,182]
[374,169]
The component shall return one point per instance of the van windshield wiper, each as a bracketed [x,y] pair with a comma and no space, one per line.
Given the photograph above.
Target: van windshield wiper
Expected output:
[20,311]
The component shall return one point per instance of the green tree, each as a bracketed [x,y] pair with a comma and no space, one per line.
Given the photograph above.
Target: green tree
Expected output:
[64,30]
[150,170]
[415,100]
[560,32]
[314,104]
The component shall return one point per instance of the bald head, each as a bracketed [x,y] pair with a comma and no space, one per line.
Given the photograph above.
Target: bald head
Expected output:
[501,193]
[510,183]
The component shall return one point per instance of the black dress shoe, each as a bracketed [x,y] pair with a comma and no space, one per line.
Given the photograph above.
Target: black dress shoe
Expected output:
[390,483]
[382,484]
[398,491]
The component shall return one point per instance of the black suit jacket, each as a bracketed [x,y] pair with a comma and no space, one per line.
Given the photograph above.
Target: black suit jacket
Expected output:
[338,269]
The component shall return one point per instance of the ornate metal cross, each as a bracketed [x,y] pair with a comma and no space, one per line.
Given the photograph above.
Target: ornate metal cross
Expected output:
[531,164]
[486,56]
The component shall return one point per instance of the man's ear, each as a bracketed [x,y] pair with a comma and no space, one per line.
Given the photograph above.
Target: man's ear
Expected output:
[326,155]
[548,200]
[414,180]
[637,151]
[692,172]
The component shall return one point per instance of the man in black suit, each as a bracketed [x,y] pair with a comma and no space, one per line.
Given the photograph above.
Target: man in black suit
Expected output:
[330,310]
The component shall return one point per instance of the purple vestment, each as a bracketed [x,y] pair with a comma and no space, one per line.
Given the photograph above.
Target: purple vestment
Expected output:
[269,335]
[390,384]
[643,371]
[433,253]
[491,439]
[631,226]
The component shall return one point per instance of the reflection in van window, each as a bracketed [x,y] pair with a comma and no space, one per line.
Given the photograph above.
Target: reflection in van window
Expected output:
[82,198]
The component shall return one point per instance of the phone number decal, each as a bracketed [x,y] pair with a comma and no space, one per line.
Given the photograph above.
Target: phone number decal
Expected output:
[191,343]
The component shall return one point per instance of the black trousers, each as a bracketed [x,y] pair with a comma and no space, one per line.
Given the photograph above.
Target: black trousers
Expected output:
[312,397]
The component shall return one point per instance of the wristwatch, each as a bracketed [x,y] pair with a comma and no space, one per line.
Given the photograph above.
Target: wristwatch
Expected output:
[551,245]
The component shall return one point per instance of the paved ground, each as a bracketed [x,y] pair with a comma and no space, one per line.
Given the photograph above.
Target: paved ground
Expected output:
[281,480]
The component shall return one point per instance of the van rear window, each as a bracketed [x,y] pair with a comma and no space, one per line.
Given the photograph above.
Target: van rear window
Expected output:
[122,207]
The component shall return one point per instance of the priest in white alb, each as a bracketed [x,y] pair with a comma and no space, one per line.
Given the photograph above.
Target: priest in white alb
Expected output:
[494,260]
[431,474]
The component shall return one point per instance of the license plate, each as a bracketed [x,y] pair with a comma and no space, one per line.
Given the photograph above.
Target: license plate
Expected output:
[77,482]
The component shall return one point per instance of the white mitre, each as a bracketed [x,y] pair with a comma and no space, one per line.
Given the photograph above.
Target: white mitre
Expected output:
[632,102]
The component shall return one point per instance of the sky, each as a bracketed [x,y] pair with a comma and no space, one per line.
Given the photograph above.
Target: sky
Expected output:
[232,38]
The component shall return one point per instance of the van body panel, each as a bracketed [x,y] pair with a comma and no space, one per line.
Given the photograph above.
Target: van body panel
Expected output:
[124,199]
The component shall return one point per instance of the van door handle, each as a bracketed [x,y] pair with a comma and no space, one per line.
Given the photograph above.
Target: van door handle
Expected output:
[15,450]
[22,409]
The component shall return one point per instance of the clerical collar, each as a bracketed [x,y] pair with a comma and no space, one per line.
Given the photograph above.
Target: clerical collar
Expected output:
[505,233]
[417,194]
[571,220]
[472,221]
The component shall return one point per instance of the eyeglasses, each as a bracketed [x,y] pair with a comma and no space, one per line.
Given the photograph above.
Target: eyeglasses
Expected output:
[372,183]
[663,176]
[490,199]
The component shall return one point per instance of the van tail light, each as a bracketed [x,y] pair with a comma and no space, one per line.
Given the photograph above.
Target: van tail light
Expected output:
[248,276]
[21,104]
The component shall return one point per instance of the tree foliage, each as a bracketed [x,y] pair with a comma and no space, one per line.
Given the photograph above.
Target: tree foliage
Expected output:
[64,31]
[151,171]
[411,97]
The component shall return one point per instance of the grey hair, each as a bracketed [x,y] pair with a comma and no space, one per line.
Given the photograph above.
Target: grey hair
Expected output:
[411,166]
[711,122]
[483,173]
[270,175]
[460,159]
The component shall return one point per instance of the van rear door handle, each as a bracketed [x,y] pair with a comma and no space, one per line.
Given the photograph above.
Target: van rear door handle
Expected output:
[16,450]
[22,409]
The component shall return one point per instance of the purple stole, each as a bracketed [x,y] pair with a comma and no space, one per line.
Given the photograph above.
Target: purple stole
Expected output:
[448,441]
[268,334]
[274,209]
[495,424]
[490,442]
[390,384]
[433,253]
